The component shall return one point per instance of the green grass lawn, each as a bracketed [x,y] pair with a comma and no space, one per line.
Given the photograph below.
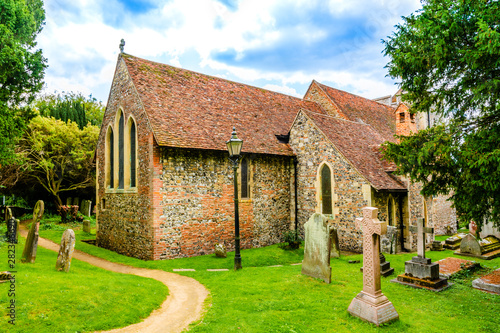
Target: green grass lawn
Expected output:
[86,298]
[281,299]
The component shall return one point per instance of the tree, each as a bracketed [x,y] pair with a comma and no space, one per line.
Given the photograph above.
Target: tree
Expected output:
[71,106]
[447,56]
[21,68]
[58,155]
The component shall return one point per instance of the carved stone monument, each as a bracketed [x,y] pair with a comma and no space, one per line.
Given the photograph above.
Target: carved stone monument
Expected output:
[66,251]
[317,247]
[453,242]
[371,304]
[420,272]
[29,253]
[220,250]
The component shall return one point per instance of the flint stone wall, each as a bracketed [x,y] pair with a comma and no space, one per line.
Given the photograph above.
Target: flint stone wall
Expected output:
[198,206]
[125,216]
[312,148]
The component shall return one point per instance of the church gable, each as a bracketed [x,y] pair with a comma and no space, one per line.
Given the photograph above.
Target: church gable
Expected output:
[362,110]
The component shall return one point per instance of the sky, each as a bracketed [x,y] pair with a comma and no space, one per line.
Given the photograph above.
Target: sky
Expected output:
[279,45]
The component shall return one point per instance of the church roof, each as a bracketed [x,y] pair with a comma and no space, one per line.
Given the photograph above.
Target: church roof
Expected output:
[191,110]
[359,109]
[359,143]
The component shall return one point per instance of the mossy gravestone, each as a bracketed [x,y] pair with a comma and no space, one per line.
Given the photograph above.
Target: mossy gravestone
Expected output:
[66,251]
[317,248]
[29,253]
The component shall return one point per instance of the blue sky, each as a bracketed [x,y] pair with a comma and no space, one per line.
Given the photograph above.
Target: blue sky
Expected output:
[278,45]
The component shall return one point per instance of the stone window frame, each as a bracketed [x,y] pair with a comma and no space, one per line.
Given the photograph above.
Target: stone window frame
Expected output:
[249,179]
[391,201]
[402,117]
[319,193]
[129,183]
[109,158]
[126,155]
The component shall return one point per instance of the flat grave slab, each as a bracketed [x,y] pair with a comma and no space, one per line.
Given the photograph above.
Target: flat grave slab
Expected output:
[449,266]
[489,283]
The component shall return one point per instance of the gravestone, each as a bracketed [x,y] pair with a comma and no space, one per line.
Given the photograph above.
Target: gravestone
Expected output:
[69,201]
[317,247]
[453,242]
[335,249]
[8,214]
[66,251]
[86,226]
[29,253]
[388,244]
[88,208]
[420,272]
[371,304]
[220,250]
[437,246]
[486,248]
[76,201]
[12,227]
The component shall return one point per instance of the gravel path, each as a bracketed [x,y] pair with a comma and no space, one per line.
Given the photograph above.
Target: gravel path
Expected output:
[183,305]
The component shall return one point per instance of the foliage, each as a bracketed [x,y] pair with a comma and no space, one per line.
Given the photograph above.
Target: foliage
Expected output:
[69,214]
[447,57]
[292,240]
[21,68]
[58,155]
[71,106]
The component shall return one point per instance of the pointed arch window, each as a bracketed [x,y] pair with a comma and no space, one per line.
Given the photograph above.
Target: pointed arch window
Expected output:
[326,190]
[121,151]
[109,159]
[245,179]
[133,147]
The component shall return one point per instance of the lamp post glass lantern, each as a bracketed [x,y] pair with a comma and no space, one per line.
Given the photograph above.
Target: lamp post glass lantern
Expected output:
[234,146]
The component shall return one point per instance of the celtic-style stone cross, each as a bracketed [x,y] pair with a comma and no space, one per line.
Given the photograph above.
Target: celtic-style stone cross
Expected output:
[421,230]
[371,304]
[29,253]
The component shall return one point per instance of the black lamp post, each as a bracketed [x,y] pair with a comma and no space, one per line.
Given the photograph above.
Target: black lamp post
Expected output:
[234,147]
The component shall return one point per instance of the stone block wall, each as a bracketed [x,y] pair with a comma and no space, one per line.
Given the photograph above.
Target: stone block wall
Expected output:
[124,216]
[198,208]
[349,190]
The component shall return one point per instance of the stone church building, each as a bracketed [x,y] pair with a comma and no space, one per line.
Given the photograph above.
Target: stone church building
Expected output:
[164,180]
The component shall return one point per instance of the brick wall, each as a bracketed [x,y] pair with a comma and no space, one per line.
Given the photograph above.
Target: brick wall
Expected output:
[349,190]
[198,207]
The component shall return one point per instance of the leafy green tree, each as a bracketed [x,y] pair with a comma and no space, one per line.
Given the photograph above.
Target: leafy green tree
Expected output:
[447,56]
[21,68]
[58,155]
[71,106]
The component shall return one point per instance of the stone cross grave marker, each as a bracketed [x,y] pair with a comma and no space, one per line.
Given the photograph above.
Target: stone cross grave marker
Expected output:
[66,251]
[317,247]
[371,304]
[29,253]
[421,230]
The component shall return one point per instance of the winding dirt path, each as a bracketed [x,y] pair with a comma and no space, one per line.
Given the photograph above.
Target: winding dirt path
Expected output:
[183,305]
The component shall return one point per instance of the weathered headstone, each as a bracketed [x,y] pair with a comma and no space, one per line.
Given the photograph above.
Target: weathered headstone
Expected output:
[486,248]
[29,253]
[335,249]
[69,201]
[317,247]
[76,201]
[66,251]
[371,304]
[12,225]
[88,208]
[388,244]
[420,272]
[437,246]
[86,226]
[453,242]
[220,250]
